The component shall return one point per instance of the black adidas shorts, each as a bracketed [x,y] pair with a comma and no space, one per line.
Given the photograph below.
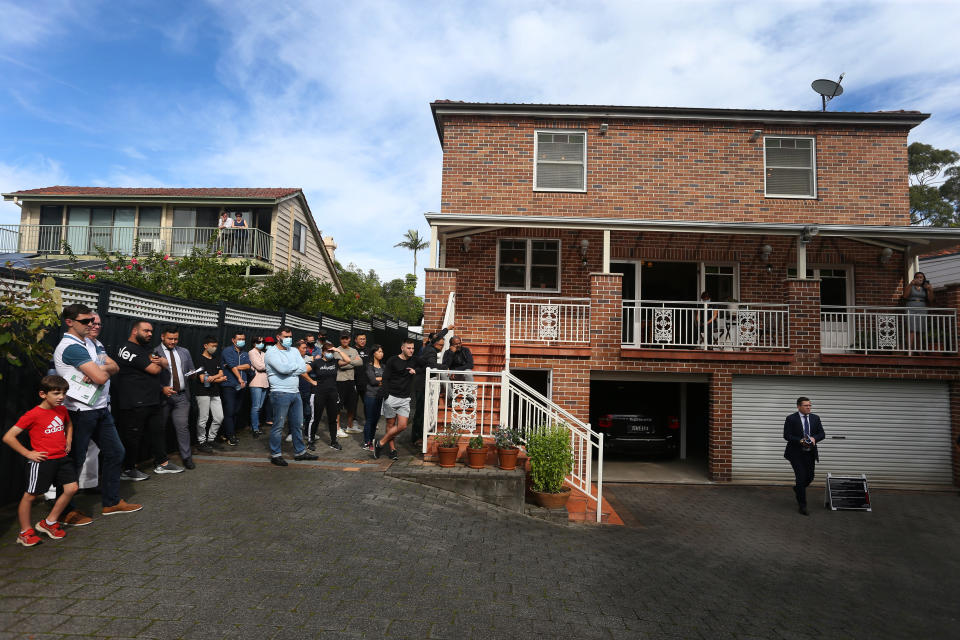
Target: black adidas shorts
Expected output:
[40,475]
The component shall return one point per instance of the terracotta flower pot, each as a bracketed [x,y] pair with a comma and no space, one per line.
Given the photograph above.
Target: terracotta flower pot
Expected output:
[448,456]
[477,458]
[552,500]
[508,458]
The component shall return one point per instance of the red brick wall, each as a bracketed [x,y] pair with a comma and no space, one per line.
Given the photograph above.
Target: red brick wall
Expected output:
[438,285]
[803,296]
[676,170]
[720,427]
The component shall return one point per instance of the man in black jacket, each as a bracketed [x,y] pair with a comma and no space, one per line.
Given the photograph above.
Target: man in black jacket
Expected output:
[429,356]
[802,431]
[398,376]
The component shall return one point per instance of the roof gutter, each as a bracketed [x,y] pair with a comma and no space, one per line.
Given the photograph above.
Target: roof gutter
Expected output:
[138,198]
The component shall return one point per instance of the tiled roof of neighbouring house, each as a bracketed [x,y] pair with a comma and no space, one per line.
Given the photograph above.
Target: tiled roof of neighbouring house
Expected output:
[204,192]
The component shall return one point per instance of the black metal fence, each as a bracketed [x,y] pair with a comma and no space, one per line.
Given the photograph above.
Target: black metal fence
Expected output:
[120,305]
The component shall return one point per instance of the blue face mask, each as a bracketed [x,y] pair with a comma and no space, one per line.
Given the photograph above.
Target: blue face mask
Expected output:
[259,345]
[288,342]
[329,355]
[240,343]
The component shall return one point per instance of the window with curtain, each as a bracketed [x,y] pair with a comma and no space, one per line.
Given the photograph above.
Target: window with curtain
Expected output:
[561,161]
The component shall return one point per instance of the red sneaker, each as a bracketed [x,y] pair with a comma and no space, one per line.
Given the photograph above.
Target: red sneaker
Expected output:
[55,530]
[28,538]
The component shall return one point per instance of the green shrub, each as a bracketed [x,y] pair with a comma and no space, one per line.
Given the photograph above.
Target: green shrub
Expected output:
[476,442]
[551,458]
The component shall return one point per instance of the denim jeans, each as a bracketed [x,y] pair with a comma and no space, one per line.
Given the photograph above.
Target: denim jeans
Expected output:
[232,400]
[97,425]
[371,408]
[257,396]
[286,406]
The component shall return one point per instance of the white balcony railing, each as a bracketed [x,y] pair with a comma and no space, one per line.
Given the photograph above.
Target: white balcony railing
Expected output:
[888,329]
[536,319]
[176,241]
[732,326]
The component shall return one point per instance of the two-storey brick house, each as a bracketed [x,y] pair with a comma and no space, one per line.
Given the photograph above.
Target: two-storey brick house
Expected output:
[577,241]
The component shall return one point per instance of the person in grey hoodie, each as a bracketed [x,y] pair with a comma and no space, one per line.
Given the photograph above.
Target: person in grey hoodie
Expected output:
[284,366]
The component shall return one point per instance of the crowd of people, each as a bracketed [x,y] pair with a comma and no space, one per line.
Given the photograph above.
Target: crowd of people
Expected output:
[123,401]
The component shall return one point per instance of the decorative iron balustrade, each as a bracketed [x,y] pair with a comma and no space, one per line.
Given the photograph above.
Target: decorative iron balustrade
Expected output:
[921,330]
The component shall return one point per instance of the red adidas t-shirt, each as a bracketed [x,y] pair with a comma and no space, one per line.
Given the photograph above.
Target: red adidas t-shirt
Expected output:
[47,429]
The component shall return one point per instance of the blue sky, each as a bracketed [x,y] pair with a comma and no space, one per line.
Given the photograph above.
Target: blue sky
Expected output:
[334,97]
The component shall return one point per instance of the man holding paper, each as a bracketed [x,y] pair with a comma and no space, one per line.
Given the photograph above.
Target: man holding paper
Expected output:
[86,401]
[176,390]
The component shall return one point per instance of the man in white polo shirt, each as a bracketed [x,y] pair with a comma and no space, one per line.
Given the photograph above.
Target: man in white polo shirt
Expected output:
[88,370]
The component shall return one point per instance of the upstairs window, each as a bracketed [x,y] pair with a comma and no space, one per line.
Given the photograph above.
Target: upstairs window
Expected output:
[561,161]
[299,237]
[528,265]
[790,168]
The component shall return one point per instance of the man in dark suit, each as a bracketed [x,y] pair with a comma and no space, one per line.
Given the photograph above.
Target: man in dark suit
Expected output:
[802,431]
[176,391]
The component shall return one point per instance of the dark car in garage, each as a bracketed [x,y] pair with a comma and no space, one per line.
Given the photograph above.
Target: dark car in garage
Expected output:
[636,417]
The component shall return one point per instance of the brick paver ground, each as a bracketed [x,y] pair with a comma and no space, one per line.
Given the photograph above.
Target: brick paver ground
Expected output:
[246,550]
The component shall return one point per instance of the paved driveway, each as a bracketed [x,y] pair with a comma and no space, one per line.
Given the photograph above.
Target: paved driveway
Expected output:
[245,550]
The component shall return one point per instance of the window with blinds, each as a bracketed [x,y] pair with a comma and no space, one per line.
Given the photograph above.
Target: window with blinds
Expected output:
[790,167]
[561,161]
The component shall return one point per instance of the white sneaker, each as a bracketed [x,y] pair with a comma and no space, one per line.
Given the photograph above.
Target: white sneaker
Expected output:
[354,429]
[341,433]
[289,438]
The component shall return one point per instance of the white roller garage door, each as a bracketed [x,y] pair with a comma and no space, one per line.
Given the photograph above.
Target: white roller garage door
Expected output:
[895,431]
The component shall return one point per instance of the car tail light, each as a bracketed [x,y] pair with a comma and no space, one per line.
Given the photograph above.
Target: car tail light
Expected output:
[605,422]
[673,422]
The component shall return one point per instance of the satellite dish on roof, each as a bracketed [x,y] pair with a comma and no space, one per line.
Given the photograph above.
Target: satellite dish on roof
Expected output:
[828,89]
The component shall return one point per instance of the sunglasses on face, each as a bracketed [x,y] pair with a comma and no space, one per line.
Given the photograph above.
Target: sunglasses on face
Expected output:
[85,321]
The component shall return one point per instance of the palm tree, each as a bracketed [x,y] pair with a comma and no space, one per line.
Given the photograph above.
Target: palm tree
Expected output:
[414,242]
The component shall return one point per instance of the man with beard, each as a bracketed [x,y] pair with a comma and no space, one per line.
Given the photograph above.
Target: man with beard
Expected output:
[137,396]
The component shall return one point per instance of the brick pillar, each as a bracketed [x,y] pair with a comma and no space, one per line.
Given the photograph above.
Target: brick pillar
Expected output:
[438,285]
[719,428]
[606,314]
[803,296]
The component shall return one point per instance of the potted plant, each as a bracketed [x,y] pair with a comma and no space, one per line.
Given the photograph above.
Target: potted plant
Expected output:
[551,459]
[476,452]
[507,440]
[447,448]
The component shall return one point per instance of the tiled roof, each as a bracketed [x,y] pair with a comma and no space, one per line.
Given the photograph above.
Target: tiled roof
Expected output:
[628,108]
[205,192]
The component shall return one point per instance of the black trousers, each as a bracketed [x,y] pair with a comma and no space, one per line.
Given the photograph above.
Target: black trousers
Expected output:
[416,406]
[329,399]
[803,468]
[136,424]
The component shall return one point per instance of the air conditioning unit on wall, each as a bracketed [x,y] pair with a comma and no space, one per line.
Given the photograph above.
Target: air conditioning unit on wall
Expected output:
[151,244]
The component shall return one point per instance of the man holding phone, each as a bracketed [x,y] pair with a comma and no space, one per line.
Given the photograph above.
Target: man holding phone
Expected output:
[802,431]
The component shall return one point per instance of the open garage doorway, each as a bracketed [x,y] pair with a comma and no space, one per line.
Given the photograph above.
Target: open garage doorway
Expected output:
[655,427]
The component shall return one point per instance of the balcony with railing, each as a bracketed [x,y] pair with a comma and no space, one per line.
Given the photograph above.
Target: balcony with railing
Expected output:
[725,326]
[538,323]
[250,243]
[888,331]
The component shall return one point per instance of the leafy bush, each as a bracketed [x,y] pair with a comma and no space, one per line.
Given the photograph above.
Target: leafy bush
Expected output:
[476,442]
[507,437]
[26,316]
[448,436]
[551,458]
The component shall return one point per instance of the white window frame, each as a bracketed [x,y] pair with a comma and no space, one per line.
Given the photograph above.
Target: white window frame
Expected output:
[813,150]
[815,274]
[736,276]
[303,237]
[528,260]
[536,150]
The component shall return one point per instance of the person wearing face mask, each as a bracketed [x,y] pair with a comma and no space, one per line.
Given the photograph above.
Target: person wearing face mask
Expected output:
[325,394]
[259,386]
[236,366]
[284,366]
[209,405]
[137,394]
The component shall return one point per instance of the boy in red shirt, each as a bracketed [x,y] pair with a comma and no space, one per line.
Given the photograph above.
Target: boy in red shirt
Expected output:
[51,433]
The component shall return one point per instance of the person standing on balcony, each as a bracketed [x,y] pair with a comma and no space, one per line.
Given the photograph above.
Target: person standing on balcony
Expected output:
[918,295]
[77,358]
[240,235]
[802,431]
[236,366]
[398,375]
[224,227]
[176,394]
[429,356]
[259,386]
[284,366]
[137,398]
[347,384]
[707,325]
[209,404]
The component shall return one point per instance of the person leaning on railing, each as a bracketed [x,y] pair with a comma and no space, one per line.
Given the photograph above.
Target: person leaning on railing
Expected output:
[918,294]
[706,320]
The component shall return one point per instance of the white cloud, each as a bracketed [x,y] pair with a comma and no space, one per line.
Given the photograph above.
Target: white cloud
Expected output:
[30,173]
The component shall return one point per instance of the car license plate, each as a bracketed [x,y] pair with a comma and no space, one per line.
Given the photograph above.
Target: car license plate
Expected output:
[639,428]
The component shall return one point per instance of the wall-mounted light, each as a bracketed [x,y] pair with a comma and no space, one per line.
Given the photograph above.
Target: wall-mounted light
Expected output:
[885,255]
[467,241]
[755,135]
[765,252]
[603,128]
[584,247]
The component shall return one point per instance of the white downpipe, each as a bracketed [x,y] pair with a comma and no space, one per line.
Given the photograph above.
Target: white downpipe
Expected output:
[429,408]
[506,357]
[599,476]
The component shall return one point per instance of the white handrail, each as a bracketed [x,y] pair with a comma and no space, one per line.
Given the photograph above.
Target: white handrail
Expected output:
[866,329]
[548,319]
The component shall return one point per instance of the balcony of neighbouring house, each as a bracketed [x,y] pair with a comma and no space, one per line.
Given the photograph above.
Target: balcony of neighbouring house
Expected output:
[87,240]
[893,332]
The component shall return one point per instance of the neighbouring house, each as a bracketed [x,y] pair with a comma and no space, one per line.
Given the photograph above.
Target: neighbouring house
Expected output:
[573,244]
[281,229]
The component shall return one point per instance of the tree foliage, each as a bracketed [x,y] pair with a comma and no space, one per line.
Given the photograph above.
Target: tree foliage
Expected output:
[27,314]
[934,185]
[413,241]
